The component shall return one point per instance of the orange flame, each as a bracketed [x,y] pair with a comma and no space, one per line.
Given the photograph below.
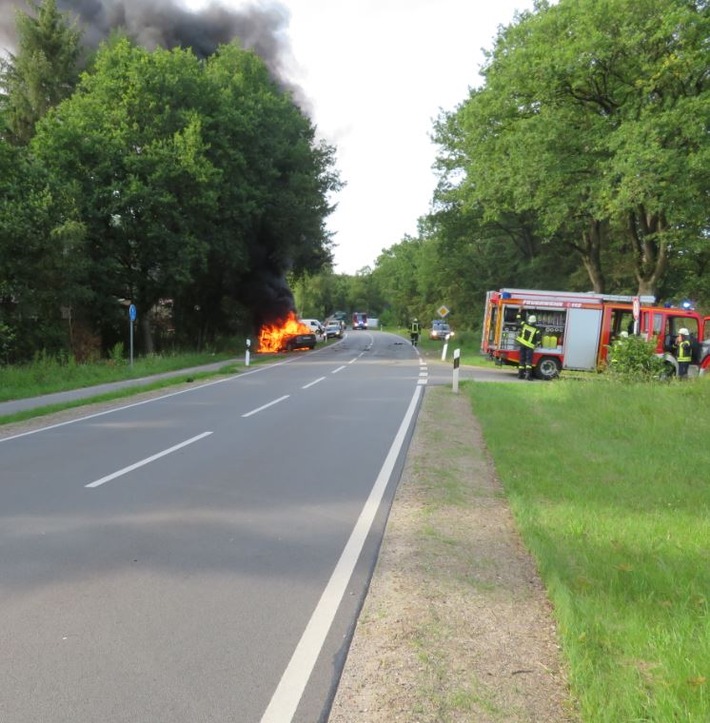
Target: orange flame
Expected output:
[272,336]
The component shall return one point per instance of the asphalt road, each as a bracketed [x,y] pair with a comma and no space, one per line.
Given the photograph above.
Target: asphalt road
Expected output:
[202,556]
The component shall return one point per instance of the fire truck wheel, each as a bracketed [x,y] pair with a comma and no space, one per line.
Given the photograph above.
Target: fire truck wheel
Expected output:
[548,368]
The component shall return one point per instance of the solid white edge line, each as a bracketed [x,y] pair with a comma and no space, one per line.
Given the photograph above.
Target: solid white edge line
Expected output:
[287,696]
[265,406]
[147,460]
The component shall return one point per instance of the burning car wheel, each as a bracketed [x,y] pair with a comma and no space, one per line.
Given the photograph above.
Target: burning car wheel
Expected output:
[548,368]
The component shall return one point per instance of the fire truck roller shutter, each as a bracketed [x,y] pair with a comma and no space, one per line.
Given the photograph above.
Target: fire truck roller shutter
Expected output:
[581,340]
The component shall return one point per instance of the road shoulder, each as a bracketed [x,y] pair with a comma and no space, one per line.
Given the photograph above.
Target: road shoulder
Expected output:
[457,625]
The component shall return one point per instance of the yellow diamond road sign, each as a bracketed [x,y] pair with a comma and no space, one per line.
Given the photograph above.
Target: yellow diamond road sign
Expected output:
[443,311]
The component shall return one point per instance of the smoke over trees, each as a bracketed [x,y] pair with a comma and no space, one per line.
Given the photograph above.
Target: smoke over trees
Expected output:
[180,169]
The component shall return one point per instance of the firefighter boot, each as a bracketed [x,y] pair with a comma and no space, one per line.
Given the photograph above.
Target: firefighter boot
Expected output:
[521,373]
[528,375]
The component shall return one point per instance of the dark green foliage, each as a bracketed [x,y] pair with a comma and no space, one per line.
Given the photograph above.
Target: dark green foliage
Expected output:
[189,187]
[42,73]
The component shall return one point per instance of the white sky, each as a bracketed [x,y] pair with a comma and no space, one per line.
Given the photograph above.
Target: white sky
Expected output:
[377,73]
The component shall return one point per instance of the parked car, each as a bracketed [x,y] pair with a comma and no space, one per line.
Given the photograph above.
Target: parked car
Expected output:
[439,331]
[334,329]
[315,326]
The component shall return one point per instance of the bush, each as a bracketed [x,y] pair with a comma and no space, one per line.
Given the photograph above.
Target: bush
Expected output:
[7,342]
[635,359]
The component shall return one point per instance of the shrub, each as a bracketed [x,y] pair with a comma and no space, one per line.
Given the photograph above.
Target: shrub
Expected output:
[116,353]
[635,358]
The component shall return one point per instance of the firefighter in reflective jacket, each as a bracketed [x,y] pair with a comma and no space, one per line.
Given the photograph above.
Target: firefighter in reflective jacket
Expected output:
[528,338]
[414,332]
[684,352]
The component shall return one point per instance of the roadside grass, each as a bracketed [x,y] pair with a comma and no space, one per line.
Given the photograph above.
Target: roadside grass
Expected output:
[469,342]
[112,396]
[609,486]
[49,374]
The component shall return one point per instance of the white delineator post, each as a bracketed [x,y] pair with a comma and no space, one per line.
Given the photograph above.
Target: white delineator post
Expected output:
[457,357]
[446,347]
[246,356]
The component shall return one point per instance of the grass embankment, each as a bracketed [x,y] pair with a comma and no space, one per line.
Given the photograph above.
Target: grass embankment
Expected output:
[468,342]
[48,375]
[610,487]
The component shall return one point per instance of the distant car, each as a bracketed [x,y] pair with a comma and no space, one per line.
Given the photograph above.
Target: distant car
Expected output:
[439,331]
[333,329]
[298,341]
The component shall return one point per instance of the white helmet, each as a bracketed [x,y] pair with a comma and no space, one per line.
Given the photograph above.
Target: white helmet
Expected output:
[532,318]
[683,332]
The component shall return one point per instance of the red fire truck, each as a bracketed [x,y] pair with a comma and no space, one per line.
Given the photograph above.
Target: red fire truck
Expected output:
[578,328]
[359,320]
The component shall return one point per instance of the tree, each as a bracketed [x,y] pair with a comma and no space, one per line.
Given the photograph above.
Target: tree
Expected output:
[42,73]
[40,277]
[277,182]
[592,119]
[129,144]
[197,182]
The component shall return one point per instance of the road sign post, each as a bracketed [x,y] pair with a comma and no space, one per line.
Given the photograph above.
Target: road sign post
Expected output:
[131,319]
[637,313]
[246,356]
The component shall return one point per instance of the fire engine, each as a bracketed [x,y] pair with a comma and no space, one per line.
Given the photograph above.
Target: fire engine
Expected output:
[579,327]
[359,320]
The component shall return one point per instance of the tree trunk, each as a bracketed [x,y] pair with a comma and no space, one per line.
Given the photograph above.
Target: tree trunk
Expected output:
[591,253]
[147,332]
[647,235]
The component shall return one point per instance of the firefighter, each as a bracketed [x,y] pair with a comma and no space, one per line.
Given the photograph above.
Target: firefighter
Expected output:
[684,352]
[414,332]
[528,338]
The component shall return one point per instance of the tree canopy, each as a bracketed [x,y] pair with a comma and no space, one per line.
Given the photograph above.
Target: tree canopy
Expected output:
[593,121]
[164,179]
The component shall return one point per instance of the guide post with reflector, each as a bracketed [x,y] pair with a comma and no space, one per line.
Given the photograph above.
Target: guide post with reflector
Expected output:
[457,359]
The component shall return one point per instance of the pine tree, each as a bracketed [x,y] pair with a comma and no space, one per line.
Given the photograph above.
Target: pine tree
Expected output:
[42,73]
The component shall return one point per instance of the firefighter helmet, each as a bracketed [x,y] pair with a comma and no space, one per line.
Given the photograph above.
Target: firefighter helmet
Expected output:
[532,319]
[683,332]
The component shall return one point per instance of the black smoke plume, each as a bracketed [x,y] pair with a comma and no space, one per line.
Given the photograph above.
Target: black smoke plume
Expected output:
[168,24]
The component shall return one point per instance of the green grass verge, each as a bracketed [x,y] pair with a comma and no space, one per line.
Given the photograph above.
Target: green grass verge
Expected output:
[47,375]
[469,343]
[609,487]
[111,396]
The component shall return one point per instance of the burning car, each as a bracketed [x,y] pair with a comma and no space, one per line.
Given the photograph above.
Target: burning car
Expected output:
[287,335]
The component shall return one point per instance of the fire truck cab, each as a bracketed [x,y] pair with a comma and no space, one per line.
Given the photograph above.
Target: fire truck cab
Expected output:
[578,328]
